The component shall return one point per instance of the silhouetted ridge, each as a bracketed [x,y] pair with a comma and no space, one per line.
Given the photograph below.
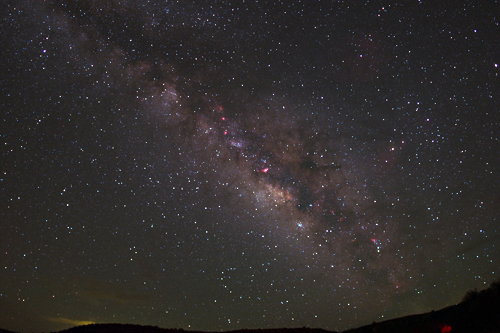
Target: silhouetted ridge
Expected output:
[127,328]
[123,328]
[479,312]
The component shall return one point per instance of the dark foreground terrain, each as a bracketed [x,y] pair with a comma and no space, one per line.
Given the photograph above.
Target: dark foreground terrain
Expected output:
[479,312]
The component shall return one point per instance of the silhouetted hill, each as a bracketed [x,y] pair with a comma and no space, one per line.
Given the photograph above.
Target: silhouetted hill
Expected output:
[114,328]
[479,312]
[123,328]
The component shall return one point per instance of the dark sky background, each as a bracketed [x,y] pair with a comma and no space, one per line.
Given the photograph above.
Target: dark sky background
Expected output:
[218,165]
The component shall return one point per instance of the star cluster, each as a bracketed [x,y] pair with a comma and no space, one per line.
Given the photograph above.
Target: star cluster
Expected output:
[230,165]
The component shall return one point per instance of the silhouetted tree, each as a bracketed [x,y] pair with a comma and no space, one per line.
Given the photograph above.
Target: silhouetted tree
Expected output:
[486,295]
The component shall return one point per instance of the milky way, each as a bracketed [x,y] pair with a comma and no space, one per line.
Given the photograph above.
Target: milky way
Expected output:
[225,166]
[287,166]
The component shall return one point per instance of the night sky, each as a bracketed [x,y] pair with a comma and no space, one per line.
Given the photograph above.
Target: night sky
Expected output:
[219,165]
